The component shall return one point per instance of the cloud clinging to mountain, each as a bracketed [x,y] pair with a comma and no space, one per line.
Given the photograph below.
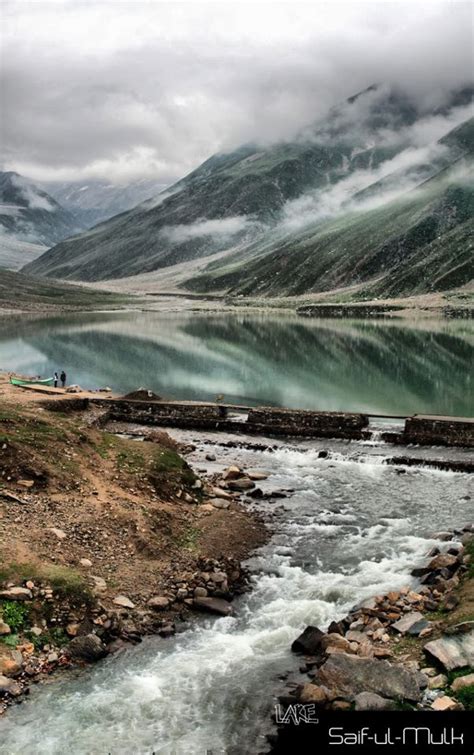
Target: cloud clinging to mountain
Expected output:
[121,90]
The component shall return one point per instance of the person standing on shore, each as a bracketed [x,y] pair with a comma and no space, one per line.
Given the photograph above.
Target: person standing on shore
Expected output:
[63,379]
[56,379]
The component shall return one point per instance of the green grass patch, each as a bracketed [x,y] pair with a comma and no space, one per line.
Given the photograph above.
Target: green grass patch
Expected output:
[466,697]
[15,614]
[167,463]
[11,640]
[188,539]
[130,461]
[107,443]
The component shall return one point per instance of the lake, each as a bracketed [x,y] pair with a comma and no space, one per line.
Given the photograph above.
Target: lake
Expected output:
[389,366]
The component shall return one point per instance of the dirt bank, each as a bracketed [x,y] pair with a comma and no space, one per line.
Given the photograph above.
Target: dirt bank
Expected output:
[103,537]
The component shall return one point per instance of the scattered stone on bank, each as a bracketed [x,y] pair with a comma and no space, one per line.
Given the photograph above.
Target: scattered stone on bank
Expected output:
[158,603]
[60,534]
[219,503]
[123,602]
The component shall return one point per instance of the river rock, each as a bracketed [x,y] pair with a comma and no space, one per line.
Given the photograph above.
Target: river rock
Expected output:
[335,643]
[336,627]
[371,701]
[311,693]
[452,652]
[462,681]
[60,534]
[213,605]
[158,603]
[438,681]
[408,621]
[88,647]
[220,503]
[10,661]
[100,585]
[9,686]
[348,675]
[256,476]
[220,493]
[4,629]
[443,561]
[232,473]
[16,593]
[309,641]
[243,483]
[124,602]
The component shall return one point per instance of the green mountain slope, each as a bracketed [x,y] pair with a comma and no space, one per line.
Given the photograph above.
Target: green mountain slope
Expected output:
[239,202]
[420,242]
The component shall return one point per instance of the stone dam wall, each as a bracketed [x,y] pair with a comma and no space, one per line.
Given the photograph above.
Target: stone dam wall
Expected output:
[439,431]
[419,429]
[262,420]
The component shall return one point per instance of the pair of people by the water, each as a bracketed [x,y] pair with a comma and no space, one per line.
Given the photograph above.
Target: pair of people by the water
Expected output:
[61,377]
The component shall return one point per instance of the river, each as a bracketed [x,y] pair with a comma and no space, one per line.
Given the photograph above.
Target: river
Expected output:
[389,366]
[351,527]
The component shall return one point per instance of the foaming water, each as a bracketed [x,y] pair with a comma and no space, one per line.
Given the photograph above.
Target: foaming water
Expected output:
[346,531]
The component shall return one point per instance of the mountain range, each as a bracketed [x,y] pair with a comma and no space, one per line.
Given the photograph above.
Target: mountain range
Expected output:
[95,201]
[34,217]
[377,195]
[30,220]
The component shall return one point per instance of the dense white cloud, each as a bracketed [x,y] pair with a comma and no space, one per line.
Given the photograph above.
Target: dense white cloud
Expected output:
[121,90]
[221,228]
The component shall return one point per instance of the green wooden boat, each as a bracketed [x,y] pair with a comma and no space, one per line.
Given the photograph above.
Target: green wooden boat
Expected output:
[24,381]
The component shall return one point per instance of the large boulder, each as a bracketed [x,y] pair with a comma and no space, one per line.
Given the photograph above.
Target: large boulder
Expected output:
[348,675]
[309,641]
[88,647]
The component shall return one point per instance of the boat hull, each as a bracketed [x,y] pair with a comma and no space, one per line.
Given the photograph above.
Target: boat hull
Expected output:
[20,382]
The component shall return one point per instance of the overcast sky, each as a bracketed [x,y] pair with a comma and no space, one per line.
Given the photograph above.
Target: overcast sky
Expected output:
[124,89]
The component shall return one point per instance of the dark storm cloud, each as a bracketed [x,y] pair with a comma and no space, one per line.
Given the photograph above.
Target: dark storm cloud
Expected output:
[128,89]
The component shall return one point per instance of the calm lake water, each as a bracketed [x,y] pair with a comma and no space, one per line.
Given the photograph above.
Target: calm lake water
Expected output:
[374,366]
